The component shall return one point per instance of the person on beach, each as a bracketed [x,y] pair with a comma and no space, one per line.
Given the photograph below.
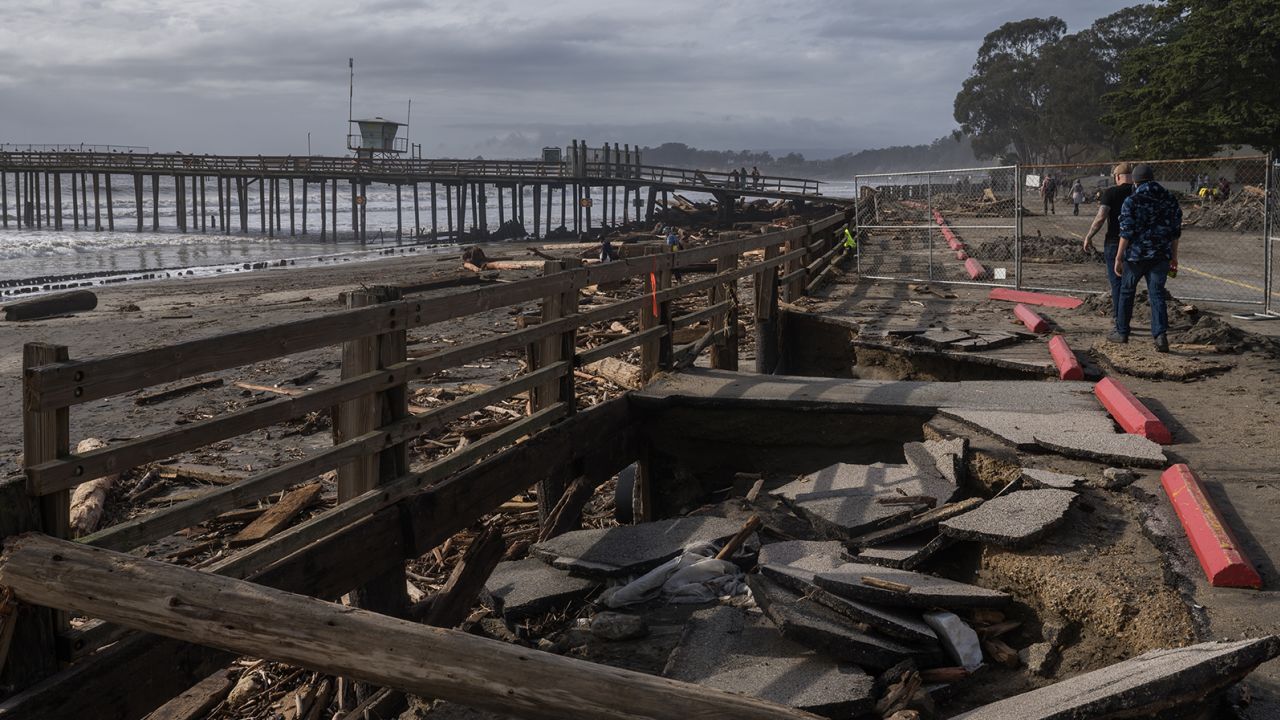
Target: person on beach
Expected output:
[1150,226]
[1077,196]
[755,177]
[1048,187]
[733,179]
[742,178]
[607,251]
[1109,205]
[673,238]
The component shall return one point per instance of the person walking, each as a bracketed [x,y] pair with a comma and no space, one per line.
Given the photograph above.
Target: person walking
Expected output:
[1108,214]
[1077,196]
[1150,227]
[1048,187]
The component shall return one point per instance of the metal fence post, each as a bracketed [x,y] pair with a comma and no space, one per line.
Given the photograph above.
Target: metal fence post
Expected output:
[1017,226]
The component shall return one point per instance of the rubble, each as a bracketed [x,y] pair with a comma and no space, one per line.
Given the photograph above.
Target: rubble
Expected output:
[616,626]
[631,549]
[958,639]
[905,553]
[1021,428]
[1049,479]
[821,628]
[1128,450]
[1014,520]
[728,649]
[520,589]
[903,624]
[859,581]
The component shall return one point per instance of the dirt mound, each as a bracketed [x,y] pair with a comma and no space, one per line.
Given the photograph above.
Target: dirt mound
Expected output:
[1242,212]
[1141,360]
[1052,249]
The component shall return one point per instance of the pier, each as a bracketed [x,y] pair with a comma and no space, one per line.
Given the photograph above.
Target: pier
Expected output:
[215,193]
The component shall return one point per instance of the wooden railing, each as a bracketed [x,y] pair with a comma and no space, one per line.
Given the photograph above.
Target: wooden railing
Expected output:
[371,419]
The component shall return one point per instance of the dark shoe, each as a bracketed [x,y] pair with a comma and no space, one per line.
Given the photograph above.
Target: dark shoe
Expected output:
[1162,344]
[1116,337]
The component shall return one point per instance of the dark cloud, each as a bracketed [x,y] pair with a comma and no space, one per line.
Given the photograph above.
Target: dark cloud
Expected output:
[492,77]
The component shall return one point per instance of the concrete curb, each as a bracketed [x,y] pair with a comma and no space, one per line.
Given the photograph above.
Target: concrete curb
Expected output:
[1216,548]
[1068,365]
[1034,298]
[974,268]
[1132,415]
[1032,319]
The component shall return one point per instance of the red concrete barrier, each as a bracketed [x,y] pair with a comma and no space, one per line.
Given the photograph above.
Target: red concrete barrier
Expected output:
[1127,410]
[1213,543]
[1068,365]
[1031,319]
[974,268]
[1033,298]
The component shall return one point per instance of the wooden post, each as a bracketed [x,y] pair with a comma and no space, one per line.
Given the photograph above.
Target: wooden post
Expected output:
[155,203]
[304,204]
[448,207]
[417,213]
[291,211]
[111,212]
[502,208]
[399,215]
[196,209]
[262,205]
[244,203]
[795,288]
[655,353]
[262,622]
[767,328]
[551,350]
[46,435]
[434,218]
[204,206]
[537,209]
[57,201]
[724,352]
[386,594]
[482,208]
[653,198]
[364,212]
[333,209]
[75,203]
[324,222]
[97,203]
[550,192]
[4,198]
[355,210]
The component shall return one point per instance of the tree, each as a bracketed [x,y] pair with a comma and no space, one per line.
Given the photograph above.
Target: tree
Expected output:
[1209,81]
[1001,104]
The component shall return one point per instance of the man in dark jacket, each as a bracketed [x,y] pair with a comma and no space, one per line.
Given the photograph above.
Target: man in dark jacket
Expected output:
[1150,226]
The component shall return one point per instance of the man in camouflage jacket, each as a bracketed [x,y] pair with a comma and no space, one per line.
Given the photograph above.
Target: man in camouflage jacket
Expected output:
[1150,226]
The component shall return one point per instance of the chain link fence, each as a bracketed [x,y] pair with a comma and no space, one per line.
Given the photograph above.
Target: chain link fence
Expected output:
[957,226]
[1026,226]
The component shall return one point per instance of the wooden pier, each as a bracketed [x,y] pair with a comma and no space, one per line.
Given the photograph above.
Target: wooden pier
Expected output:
[214,193]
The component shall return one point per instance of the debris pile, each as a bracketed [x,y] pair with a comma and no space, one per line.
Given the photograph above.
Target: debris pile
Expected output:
[1243,211]
[1052,249]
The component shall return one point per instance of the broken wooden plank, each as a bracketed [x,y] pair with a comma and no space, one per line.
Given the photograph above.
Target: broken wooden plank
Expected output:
[196,702]
[179,391]
[261,622]
[199,473]
[454,601]
[278,515]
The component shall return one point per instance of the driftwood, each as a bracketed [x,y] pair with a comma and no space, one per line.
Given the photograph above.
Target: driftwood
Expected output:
[178,391]
[278,516]
[753,524]
[89,500]
[198,700]
[618,372]
[50,305]
[567,513]
[259,621]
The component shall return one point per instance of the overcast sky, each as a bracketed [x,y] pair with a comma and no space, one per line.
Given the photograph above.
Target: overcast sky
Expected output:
[498,78]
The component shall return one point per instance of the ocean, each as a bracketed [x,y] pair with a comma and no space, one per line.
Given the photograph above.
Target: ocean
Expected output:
[36,260]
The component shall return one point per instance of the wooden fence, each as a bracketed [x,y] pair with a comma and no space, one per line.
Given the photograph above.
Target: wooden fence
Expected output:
[372,426]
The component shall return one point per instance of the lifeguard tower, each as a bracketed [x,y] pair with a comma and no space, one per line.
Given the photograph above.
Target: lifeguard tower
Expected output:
[377,138]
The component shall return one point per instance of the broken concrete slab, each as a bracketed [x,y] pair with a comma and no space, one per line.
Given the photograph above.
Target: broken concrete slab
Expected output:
[816,626]
[728,649]
[1013,521]
[943,456]
[812,556]
[1115,449]
[697,386]
[631,549]
[1020,428]
[905,625]
[925,590]
[520,589]
[905,553]
[845,501]
[924,521]
[1037,478]
[1154,681]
